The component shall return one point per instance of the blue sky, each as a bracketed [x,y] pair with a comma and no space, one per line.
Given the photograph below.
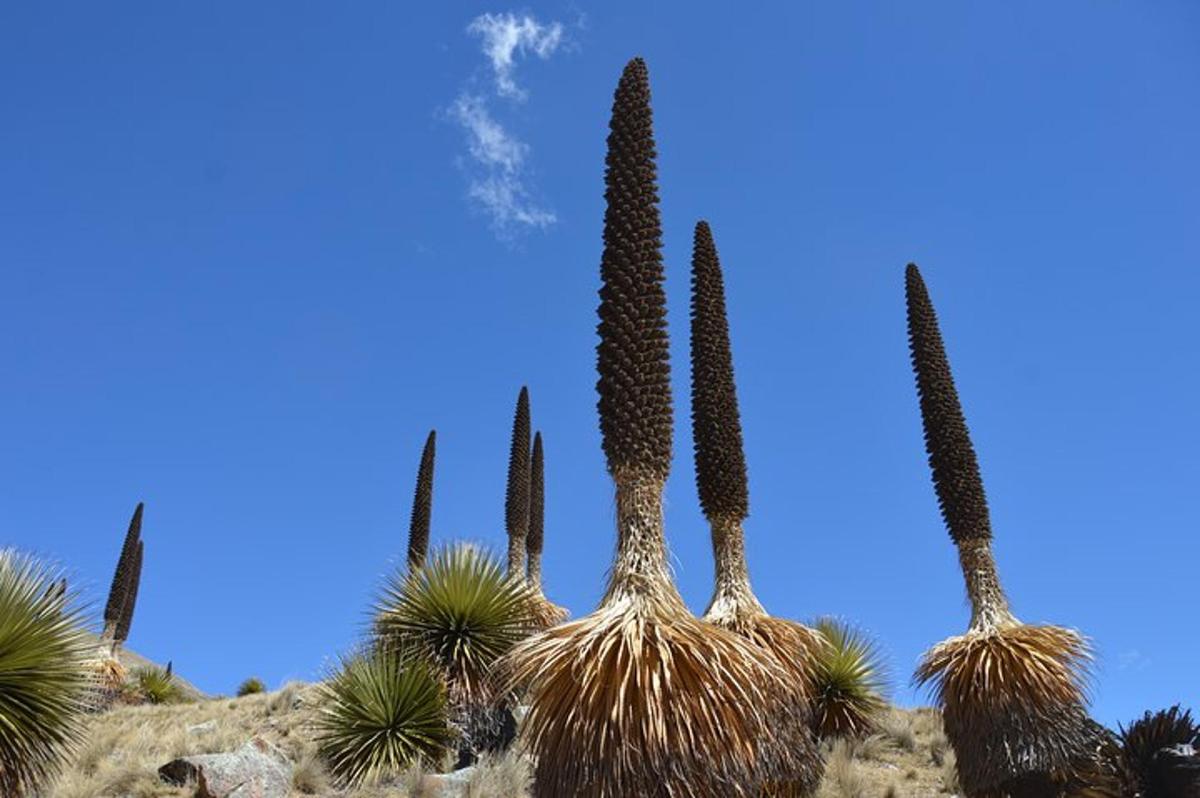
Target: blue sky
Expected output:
[251,253]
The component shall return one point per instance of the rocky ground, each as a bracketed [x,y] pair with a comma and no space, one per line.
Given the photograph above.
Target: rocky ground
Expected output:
[260,746]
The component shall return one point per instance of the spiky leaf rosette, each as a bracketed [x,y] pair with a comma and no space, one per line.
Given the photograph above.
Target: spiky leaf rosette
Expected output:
[422,508]
[716,422]
[120,583]
[633,357]
[516,497]
[380,715]
[947,441]
[1013,704]
[1150,773]
[156,685]
[131,594]
[459,613]
[43,649]
[849,681]
[639,699]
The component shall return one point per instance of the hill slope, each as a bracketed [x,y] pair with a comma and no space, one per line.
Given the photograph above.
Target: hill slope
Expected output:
[909,757]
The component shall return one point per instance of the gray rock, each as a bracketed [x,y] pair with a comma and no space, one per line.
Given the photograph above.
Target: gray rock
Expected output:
[256,770]
[203,728]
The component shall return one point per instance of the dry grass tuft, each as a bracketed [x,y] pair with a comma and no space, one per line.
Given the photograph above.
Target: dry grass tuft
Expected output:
[842,773]
[500,776]
[897,728]
[639,698]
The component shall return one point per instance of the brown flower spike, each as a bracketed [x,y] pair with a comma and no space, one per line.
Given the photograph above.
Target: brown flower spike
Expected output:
[516,498]
[632,357]
[422,507]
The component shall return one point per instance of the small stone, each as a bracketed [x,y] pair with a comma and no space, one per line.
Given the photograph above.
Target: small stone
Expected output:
[203,728]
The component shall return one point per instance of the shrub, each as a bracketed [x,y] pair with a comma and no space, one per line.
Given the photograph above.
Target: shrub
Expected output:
[251,686]
[42,655]
[460,613]
[379,715]
[156,685]
[1147,773]
[849,681]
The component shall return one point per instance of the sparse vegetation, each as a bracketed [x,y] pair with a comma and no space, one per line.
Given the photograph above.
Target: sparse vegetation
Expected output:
[126,746]
[849,681]
[251,686]
[42,654]
[380,715]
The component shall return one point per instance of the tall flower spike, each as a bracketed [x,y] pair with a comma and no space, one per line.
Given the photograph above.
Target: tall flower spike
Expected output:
[120,581]
[638,697]
[1012,695]
[131,594]
[721,483]
[632,357]
[516,499]
[716,422]
[545,612]
[422,507]
[951,456]
[537,510]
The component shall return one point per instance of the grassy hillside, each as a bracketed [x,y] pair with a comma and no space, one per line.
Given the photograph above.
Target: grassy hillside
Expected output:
[126,746]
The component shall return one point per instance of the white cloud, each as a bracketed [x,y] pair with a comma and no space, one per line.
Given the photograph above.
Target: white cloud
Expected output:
[489,143]
[505,36]
[497,183]
[497,169]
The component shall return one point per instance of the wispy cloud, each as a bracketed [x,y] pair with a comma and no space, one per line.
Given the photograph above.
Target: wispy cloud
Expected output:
[498,187]
[497,167]
[507,35]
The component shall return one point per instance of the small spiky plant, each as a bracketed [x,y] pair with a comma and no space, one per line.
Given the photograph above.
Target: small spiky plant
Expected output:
[640,698]
[123,582]
[43,648]
[378,716]
[1012,695]
[1150,773]
[849,680]
[459,613]
[516,495]
[546,613]
[422,508]
[725,498]
[155,685]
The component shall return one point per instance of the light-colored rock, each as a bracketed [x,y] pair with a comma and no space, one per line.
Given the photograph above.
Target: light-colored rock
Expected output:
[256,770]
[203,728]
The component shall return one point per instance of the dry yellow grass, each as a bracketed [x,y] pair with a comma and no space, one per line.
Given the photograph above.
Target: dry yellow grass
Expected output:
[908,758]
